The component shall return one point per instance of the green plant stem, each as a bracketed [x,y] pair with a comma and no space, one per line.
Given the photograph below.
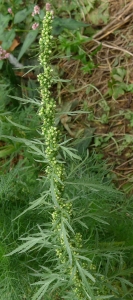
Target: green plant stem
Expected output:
[67,241]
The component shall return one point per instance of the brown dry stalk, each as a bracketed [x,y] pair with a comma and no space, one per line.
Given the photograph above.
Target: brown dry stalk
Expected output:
[118,21]
[113,47]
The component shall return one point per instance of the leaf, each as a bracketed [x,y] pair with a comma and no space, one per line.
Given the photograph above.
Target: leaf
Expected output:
[6,150]
[125,281]
[1,64]
[84,280]
[69,152]
[100,14]
[59,24]
[8,38]
[65,109]
[89,7]
[28,143]
[121,72]
[83,143]
[26,246]
[82,224]
[20,16]
[129,88]
[72,24]
[29,100]
[41,14]
[68,225]
[94,217]
[94,52]
[45,285]
[66,241]
[117,77]
[41,291]
[53,193]
[118,91]
[4,20]
[57,29]
[83,258]
[17,125]
[88,274]
[34,204]
[30,38]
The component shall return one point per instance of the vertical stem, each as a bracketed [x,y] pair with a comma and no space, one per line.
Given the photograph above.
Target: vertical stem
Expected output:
[68,243]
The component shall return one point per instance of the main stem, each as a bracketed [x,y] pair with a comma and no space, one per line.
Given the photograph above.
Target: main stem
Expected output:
[67,241]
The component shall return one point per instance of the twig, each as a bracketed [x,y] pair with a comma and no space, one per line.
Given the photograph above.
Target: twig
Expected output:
[113,47]
[100,35]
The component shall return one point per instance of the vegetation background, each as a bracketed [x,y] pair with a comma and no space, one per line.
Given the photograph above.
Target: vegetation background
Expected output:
[92,86]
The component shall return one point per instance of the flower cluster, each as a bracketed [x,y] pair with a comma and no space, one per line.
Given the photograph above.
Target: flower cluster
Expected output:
[47,111]
[48,105]
[3,54]
[35,26]
[10,11]
[36,10]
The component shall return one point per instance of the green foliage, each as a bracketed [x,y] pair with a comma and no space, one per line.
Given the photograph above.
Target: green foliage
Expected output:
[129,116]
[97,213]
[7,39]
[71,44]
[60,24]
[20,16]
[81,246]
[117,86]
[21,22]
[30,38]
[103,140]
[98,12]
[4,20]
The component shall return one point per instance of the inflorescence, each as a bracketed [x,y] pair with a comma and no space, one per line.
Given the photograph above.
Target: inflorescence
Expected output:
[55,169]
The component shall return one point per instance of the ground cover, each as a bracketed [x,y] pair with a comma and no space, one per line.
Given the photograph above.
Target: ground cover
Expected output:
[105,93]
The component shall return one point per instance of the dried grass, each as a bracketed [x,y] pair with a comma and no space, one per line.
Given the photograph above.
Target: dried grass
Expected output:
[117,49]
